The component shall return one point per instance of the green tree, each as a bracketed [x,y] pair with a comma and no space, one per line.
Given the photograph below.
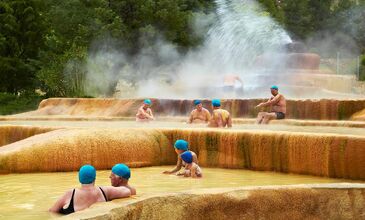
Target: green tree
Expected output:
[274,8]
[321,12]
[298,18]
[73,26]
[21,38]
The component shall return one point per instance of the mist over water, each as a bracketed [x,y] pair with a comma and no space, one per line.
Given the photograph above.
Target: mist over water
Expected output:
[240,34]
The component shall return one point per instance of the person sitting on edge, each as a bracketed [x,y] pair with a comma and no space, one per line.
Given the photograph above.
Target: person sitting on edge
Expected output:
[199,114]
[88,194]
[181,146]
[220,117]
[120,175]
[278,107]
[144,113]
[191,169]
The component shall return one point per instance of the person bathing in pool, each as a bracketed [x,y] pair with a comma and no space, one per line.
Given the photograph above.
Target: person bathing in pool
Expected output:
[191,169]
[78,199]
[181,146]
[220,117]
[199,114]
[277,104]
[144,113]
[119,177]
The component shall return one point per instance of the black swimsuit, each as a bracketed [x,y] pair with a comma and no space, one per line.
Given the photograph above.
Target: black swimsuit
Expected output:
[70,209]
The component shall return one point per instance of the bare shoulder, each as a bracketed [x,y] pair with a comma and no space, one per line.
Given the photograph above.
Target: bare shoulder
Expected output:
[116,192]
[68,193]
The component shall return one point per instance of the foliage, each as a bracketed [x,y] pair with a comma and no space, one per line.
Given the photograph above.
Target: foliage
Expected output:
[12,104]
[21,38]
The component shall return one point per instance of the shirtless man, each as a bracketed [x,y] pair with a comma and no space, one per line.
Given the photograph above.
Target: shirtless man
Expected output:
[277,104]
[199,114]
[119,177]
[144,113]
[220,117]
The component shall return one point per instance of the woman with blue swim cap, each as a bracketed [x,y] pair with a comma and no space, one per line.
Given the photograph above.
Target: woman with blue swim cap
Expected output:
[181,146]
[144,113]
[79,199]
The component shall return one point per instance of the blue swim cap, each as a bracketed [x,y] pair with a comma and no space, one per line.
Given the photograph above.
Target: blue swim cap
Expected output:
[216,102]
[187,157]
[197,102]
[181,145]
[87,174]
[274,87]
[122,170]
[147,102]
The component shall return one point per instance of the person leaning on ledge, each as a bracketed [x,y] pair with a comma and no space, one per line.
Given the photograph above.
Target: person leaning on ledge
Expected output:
[79,199]
[277,104]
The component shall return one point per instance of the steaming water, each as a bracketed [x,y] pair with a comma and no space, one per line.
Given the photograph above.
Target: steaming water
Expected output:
[243,32]
[240,32]
[29,196]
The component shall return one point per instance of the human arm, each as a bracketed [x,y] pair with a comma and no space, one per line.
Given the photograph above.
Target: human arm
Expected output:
[150,115]
[263,104]
[61,202]
[272,101]
[229,123]
[144,114]
[190,120]
[116,192]
[208,116]
[177,167]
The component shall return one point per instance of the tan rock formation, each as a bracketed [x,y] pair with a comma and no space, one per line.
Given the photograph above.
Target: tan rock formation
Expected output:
[334,201]
[330,155]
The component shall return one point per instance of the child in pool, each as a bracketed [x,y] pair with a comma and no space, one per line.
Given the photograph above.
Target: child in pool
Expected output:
[191,168]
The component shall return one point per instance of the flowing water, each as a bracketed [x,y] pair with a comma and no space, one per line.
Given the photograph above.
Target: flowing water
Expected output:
[160,124]
[28,196]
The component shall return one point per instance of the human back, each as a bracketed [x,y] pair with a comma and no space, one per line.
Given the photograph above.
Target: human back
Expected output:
[86,196]
[83,197]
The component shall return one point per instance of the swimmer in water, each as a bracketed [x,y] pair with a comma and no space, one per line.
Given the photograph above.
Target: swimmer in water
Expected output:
[144,113]
[199,114]
[181,146]
[191,169]
[81,198]
[220,117]
[119,177]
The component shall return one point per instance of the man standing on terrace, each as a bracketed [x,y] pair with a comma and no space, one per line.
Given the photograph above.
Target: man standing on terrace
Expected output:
[199,114]
[277,105]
